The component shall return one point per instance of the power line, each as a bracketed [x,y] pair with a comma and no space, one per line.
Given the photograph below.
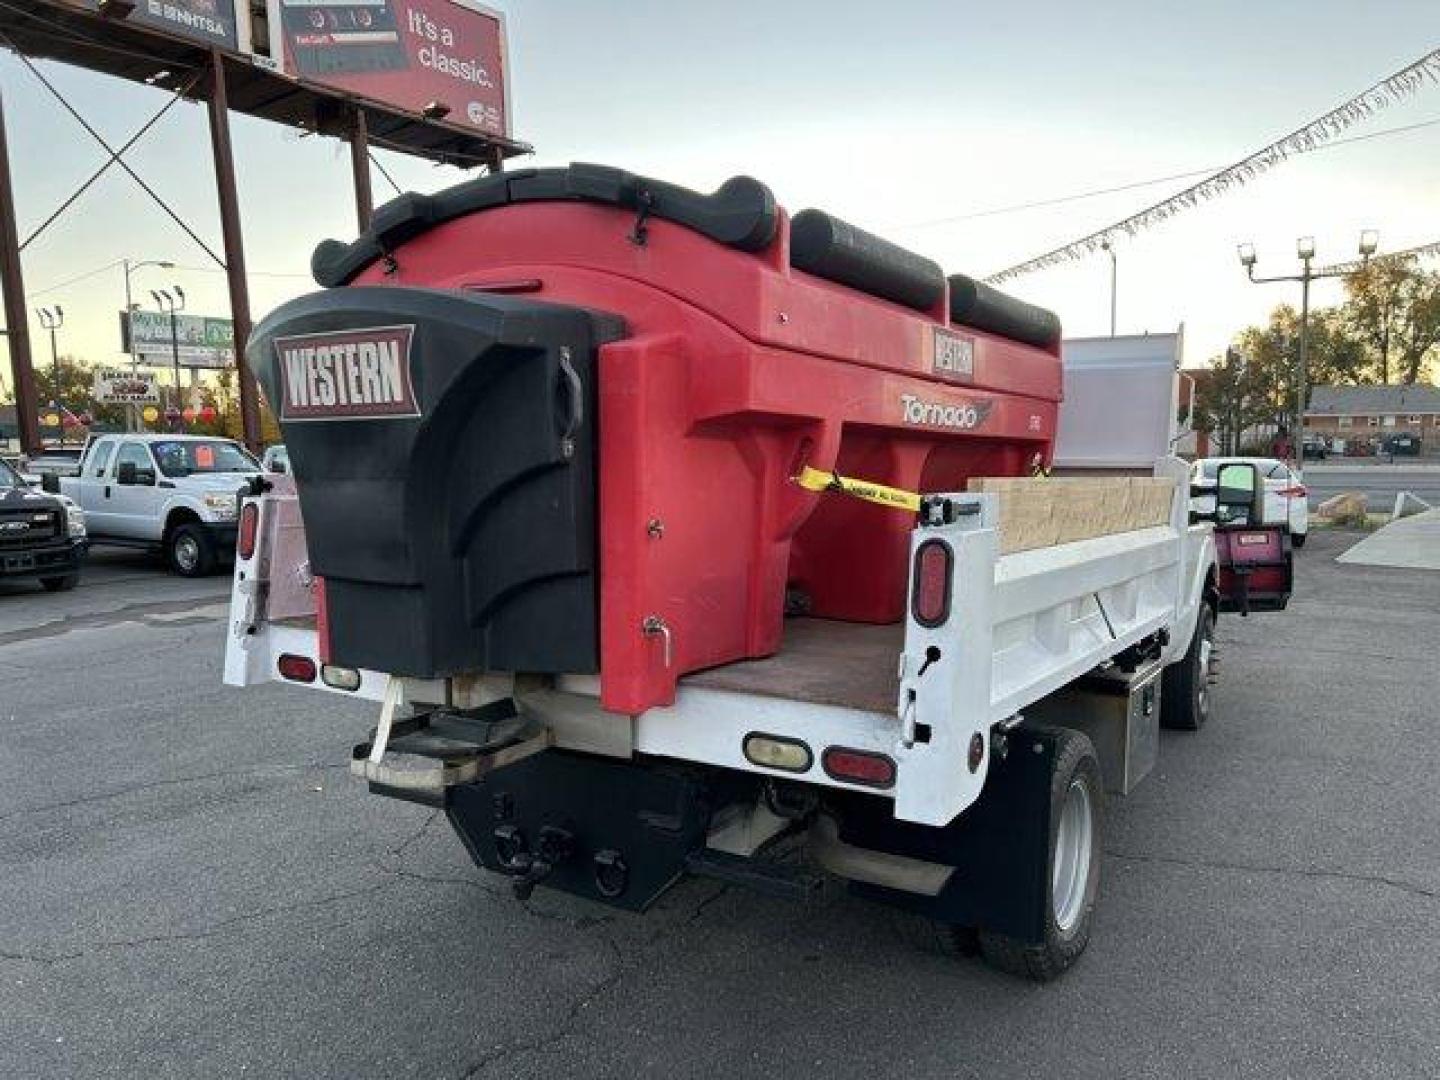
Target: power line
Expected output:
[1092,193]
[1310,136]
[76,279]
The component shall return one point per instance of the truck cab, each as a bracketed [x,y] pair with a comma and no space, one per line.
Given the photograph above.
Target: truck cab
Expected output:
[172,493]
[42,535]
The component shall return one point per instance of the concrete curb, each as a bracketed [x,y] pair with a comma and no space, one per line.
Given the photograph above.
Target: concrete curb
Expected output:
[1412,542]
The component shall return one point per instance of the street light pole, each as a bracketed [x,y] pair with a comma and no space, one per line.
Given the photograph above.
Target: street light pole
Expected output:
[130,268]
[1105,244]
[169,303]
[52,319]
[1305,250]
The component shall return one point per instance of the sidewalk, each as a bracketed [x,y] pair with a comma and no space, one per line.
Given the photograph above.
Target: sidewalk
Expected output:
[1412,542]
[1346,465]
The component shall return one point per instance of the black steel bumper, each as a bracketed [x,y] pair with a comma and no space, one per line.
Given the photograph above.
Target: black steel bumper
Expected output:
[50,560]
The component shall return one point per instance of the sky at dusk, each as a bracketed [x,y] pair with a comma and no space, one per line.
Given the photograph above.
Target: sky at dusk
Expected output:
[906,118]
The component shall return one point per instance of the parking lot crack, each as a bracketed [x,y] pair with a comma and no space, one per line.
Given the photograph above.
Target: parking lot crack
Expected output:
[214,930]
[539,1044]
[1293,871]
[128,614]
[152,785]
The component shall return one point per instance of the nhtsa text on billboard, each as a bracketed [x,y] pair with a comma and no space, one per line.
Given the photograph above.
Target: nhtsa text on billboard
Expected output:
[201,342]
[413,54]
[210,21]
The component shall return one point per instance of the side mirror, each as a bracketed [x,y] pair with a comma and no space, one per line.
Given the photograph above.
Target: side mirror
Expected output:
[128,475]
[1238,495]
[50,483]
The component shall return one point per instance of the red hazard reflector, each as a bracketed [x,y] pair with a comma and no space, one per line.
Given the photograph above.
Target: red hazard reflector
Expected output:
[859,767]
[930,602]
[297,668]
[249,526]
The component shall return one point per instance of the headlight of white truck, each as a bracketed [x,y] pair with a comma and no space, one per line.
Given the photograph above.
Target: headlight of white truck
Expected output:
[220,504]
[74,519]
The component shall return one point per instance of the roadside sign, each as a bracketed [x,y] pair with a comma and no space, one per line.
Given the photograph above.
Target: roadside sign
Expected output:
[447,56]
[203,342]
[120,386]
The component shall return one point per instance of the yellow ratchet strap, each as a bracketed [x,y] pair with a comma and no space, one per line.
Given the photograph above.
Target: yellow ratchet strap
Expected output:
[815,480]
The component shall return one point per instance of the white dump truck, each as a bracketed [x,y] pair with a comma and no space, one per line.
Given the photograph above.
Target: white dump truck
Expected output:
[1051,610]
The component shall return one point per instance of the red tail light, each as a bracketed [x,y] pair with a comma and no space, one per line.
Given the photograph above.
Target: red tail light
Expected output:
[297,668]
[859,767]
[249,526]
[1297,492]
[930,602]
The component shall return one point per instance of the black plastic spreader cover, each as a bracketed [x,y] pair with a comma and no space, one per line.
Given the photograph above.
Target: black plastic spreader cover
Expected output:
[443,448]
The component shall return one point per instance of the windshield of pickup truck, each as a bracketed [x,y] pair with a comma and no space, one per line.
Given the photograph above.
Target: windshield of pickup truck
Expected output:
[9,478]
[202,456]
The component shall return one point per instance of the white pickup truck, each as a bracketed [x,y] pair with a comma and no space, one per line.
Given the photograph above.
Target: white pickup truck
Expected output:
[176,494]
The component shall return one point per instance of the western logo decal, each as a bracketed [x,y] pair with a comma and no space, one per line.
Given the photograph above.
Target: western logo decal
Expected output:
[963,415]
[361,374]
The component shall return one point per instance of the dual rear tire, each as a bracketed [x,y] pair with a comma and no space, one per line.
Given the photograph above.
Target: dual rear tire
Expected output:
[1077,810]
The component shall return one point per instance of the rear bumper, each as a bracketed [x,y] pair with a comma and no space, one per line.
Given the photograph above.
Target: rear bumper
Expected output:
[51,560]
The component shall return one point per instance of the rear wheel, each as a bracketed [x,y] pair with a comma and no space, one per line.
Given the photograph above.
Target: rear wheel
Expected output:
[63,583]
[190,551]
[1077,803]
[1298,539]
[1185,684]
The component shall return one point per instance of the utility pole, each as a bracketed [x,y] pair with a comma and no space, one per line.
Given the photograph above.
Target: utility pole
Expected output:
[1105,246]
[360,167]
[17,319]
[1305,250]
[234,247]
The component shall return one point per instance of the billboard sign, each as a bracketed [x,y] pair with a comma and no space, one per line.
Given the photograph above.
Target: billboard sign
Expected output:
[212,21]
[201,341]
[121,386]
[409,54]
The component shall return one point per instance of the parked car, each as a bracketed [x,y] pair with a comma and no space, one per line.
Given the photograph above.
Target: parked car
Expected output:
[1316,446]
[1403,443]
[1286,498]
[276,459]
[174,493]
[42,535]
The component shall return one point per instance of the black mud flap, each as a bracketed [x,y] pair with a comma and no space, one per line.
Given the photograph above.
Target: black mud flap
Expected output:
[1000,846]
[616,832]
[443,447]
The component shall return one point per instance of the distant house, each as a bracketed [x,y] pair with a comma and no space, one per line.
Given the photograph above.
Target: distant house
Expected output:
[1367,414]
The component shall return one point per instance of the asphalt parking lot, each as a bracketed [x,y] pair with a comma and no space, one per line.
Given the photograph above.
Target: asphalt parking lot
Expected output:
[191,885]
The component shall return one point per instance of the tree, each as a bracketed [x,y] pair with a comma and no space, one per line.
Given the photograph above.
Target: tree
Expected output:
[1393,308]
[226,399]
[1235,394]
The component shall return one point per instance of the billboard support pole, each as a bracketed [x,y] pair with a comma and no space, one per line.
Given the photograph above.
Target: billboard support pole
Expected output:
[17,319]
[360,166]
[234,247]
